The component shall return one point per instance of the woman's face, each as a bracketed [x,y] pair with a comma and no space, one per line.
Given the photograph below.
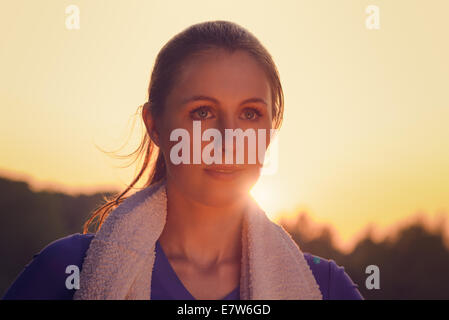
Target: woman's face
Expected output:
[224,81]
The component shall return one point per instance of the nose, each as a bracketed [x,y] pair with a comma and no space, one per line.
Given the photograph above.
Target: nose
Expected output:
[223,123]
[226,121]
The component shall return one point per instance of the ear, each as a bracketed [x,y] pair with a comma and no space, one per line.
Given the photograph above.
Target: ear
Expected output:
[150,123]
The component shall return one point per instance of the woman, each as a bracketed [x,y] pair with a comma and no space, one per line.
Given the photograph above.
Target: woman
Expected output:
[193,232]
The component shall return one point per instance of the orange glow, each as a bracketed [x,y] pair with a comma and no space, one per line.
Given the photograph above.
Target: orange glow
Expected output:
[365,137]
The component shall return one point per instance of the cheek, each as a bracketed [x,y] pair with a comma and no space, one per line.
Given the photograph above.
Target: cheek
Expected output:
[255,149]
[166,128]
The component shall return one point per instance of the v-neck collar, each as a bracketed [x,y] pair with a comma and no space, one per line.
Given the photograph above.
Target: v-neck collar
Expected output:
[172,281]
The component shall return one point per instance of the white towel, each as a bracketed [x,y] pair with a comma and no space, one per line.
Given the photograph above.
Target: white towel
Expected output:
[119,262]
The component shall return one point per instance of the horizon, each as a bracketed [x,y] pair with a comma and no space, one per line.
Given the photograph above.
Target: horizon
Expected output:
[372,231]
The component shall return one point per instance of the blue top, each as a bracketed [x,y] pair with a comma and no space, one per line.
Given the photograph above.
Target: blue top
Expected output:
[165,284]
[44,277]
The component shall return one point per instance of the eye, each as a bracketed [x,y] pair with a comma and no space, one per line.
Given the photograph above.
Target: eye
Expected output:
[199,113]
[251,114]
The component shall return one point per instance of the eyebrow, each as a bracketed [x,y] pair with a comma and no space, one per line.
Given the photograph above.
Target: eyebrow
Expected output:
[201,97]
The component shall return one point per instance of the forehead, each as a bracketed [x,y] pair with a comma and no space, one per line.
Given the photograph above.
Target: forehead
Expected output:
[229,77]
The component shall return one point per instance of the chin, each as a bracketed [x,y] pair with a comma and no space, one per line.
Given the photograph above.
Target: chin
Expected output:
[214,189]
[239,181]
[222,191]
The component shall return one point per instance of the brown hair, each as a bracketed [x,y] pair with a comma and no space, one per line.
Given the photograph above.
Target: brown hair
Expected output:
[194,40]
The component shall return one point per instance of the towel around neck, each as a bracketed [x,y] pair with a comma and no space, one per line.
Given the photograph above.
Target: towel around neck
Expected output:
[120,259]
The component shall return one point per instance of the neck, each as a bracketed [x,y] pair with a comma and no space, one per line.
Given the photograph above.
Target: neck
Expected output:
[201,234]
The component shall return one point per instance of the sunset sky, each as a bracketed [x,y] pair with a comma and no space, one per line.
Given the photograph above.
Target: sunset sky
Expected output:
[365,137]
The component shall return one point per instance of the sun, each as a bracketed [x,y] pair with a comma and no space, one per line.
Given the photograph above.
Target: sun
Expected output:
[267,198]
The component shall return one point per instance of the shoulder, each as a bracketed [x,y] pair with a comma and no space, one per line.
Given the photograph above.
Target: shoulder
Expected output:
[44,277]
[334,282]
[65,251]
[71,247]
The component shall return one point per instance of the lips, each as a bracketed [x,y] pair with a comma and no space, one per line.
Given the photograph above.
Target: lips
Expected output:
[223,172]
[224,168]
